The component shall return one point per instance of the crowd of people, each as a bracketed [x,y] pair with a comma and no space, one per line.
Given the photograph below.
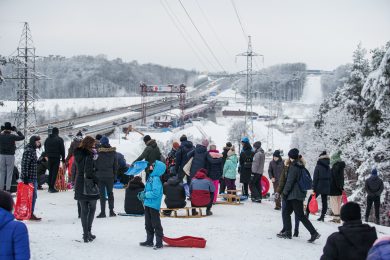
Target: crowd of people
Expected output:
[195,173]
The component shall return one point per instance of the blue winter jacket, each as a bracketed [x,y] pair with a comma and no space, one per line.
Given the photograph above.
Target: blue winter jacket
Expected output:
[154,187]
[14,244]
[381,250]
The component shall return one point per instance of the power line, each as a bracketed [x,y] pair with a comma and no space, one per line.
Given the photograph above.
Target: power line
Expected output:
[239,21]
[201,36]
[184,37]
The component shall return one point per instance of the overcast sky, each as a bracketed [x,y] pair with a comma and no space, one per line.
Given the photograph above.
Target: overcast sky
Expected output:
[323,34]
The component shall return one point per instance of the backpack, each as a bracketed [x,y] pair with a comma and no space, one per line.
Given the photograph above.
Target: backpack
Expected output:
[248,159]
[305,181]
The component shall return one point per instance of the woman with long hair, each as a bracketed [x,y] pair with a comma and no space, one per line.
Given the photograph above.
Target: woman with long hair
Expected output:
[84,156]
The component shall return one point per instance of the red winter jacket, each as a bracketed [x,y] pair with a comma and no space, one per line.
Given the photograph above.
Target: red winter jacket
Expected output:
[200,188]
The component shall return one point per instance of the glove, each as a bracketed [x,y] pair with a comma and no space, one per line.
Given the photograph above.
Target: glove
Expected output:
[25,181]
[141,196]
[14,129]
[277,196]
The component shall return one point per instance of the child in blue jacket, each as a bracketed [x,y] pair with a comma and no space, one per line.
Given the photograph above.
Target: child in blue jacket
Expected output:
[152,196]
[14,243]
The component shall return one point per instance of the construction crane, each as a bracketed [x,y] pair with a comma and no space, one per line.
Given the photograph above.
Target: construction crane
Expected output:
[129,129]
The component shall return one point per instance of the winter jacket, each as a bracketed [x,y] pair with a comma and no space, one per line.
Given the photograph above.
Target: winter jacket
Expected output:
[380,250]
[121,160]
[7,142]
[230,167]
[214,165]
[153,188]
[132,204]
[291,190]
[106,165]
[258,161]
[374,186]
[352,242]
[275,169]
[182,157]
[29,164]
[175,196]
[199,155]
[85,166]
[14,242]
[200,189]
[73,145]
[54,147]
[170,162]
[322,176]
[337,180]
[245,169]
[151,153]
[283,177]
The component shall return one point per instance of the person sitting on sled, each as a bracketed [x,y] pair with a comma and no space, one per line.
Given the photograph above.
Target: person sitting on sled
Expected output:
[132,204]
[202,192]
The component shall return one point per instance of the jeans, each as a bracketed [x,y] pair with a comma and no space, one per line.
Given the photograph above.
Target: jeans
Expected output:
[153,226]
[88,208]
[6,170]
[296,206]
[296,228]
[35,195]
[106,186]
[255,186]
[377,201]
[53,165]
[324,199]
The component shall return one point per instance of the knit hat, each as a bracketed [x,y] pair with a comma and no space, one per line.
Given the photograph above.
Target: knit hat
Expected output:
[98,137]
[276,153]
[205,142]
[183,138]
[293,153]
[104,141]
[6,201]
[147,138]
[55,131]
[374,172]
[257,145]
[229,144]
[336,157]
[245,140]
[7,126]
[175,145]
[322,154]
[350,212]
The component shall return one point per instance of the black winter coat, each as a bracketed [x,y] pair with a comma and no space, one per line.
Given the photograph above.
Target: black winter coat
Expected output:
[291,190]
[374,186]
[337,180]
[106,165]
[85,166]
[182,157]
[352,242]
[245,172]
[322,177]
[175,196]
[132,204]
[200,159]
[54,147]
[29,164]
[214,165]
[275,169]
[7,142]
[73,145]
[151,153]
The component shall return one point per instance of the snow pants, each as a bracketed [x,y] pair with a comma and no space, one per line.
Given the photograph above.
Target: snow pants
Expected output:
[255,186]
[53,165]
[230,184]
[153,226]
[296,206]
[106,186]
[377,202]
[88,208]
[6,170]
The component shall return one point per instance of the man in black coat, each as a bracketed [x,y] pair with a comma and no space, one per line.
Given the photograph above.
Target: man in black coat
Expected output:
[106,166]
[175,196]
[55,150]
[199,161]
[7,154]
[151,153]
[245,167]
[374,189]
[354,239]
[182,155]
[321,183]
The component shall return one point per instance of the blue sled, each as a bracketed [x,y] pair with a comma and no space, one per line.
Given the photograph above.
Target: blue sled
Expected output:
[137,168]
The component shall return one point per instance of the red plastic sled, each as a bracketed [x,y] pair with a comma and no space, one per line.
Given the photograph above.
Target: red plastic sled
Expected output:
[264,185]
[23,206]
[186,241]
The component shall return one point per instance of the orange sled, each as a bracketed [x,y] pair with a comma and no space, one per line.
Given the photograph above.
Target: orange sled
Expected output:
[186,241]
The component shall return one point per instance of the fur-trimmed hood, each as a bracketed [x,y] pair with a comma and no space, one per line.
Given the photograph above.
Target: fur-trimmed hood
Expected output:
[106,149]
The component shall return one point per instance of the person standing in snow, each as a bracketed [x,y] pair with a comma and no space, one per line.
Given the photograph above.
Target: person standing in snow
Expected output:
[7,153]
[245,167]
[41,170]
[336,185]
[55,150]
[257,172]
[295,197]
[199,161]
[374,188]
[321,183]
[170,161]
[106,166]
[182,155]
[14,242]
[152,196]
[29,169]
[222,183]
[230,169]
[84,156]
[275,169]
[214,168]
[354,239]
[151,153]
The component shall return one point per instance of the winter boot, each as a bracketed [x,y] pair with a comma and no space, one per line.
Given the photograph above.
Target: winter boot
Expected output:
[146,244]
[209,213]
[377,221]
[35,218]
[321,218]
[101,215]
[91,236]
[194,212]
[296,233]
[86,238]
[112,213]
[158,246]
[285,235]
[313,237]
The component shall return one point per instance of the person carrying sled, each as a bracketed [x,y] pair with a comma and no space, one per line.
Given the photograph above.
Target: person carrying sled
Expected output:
[374,188]
[336,185]
[132,204]
[202,192]
[230,169]
[245,167]
[150,154]
[152,196]
[29,169]
[257,173]
[275,169]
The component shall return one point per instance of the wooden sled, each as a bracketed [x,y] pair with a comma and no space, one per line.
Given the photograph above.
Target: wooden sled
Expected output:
[231,197]
[187,211]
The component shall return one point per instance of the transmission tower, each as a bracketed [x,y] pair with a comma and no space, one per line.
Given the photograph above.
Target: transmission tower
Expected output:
[25,118]
[249,54]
